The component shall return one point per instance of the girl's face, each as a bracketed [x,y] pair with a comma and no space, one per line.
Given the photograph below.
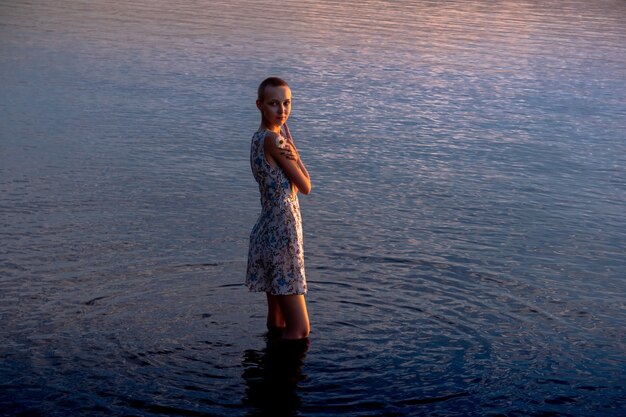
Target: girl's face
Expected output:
[275,107]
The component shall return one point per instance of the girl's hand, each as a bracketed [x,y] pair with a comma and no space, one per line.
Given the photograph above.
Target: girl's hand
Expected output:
[286,147]
[286,156]
[289,151]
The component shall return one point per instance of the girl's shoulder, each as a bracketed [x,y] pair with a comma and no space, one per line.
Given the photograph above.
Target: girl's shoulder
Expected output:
[272,139]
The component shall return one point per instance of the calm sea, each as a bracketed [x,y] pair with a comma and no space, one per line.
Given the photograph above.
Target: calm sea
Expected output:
[465,239]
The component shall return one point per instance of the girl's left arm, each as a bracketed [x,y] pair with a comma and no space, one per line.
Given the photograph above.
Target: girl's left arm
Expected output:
[295,152]
[303,168]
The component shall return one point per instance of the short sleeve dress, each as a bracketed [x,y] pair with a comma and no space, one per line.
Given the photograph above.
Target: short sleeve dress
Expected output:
[275,255]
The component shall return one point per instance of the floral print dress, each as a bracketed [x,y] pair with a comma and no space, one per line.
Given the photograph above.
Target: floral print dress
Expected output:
[275,256]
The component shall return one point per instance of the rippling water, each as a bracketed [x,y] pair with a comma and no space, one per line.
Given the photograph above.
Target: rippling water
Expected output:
[464,240]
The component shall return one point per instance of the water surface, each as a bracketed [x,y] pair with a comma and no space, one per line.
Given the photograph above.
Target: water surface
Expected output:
[464,238]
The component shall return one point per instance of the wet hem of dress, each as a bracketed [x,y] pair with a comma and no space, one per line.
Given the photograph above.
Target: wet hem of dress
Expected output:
[271,293]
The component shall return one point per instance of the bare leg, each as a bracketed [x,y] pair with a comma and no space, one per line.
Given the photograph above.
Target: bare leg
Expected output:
[294,312]
[275,318]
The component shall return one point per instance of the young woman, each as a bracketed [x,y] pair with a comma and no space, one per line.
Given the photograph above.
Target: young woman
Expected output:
[276,257]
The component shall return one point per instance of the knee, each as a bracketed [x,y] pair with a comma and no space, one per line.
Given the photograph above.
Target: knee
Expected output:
[305,330]
[299,331]
[304,327]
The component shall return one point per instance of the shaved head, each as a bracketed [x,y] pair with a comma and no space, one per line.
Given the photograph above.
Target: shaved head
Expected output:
[270,82]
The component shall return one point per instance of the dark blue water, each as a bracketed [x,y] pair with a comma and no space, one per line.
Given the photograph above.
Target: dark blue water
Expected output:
[464,239]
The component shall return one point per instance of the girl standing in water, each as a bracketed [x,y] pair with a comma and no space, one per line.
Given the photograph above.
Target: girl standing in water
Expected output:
[276,257]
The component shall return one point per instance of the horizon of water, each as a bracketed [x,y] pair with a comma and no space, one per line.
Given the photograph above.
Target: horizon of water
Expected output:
[464,238]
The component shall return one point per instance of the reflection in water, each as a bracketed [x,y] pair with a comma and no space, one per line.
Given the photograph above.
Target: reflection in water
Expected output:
[272,375]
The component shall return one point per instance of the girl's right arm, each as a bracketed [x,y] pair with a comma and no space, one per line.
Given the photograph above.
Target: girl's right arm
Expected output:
[290,166]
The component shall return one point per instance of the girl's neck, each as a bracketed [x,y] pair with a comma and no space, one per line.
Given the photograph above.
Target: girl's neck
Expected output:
[275,129]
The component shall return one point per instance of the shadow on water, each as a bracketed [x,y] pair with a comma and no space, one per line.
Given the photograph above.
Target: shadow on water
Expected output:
[272,376]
